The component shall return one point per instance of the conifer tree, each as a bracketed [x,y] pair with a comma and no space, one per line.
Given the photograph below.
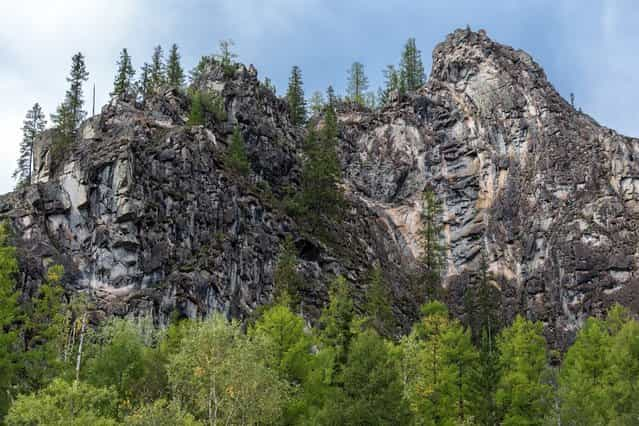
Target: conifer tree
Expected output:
[9,316]
[268,84]
[523,396]
[158,69]
[391,84]
[432,258]
[316,103]
[331,99]
[288,282]
[74,98]
[295,97]
[357,83]
[236,157]
[337,320]
[378,299]
[123,83]
[144,84]
[175,73]
[411,67]
[33,126]
[227,57]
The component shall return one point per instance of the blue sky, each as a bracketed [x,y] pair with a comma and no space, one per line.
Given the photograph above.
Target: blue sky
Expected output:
[589,48]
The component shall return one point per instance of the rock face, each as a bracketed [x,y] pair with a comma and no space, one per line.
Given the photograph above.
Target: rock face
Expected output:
[144,213]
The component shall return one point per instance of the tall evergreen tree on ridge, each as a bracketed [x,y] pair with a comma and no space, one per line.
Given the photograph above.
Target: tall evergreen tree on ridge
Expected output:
[33,126]
[432,258]
[295,96]
[357,83]
[123,83]
[392,83]
[69,113]
[411,67]
[144,84]
[158,69]
[174,70]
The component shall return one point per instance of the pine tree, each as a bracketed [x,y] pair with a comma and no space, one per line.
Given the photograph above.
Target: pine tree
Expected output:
[411,67]
[236,157]
[295,97]
[144,84]
[357,83]
[123,83]
[288,282]
[196,113]
[432,258]
[175,73]
[33,126]
[158,70]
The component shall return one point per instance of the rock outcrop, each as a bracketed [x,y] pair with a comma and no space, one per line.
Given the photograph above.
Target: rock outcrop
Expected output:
[143,212]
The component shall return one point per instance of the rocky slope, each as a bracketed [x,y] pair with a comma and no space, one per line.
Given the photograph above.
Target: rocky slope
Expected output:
[143,213]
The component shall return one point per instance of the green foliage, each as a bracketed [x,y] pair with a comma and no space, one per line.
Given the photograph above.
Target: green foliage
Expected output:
[371,384]
[227,57]
[432,259]
[236,157]
[321,198]
[123,83]
[378,298]
[392,83]
[523,396]
[337,320]
[411,67]
[288,282]
[144,85]
[157,72]
[205,106]
[33,126]
[62,403]
[161,413]
[174,71]
[295,97]
[357,83]
[9,315]
[219,376]
[317,103]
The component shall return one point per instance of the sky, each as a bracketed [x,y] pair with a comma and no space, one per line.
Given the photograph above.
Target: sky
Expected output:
[586,48]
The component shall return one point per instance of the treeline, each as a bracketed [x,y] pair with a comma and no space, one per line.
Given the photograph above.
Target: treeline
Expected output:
[161,73]
[58,368]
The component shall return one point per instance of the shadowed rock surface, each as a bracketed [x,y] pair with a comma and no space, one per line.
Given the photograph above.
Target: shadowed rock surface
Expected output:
[143,213]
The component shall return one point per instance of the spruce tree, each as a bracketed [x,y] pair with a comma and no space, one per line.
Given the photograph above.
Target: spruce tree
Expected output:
[33,126]
[175,73]
[144,84]
[158,69]
[411,67]
[357,83]
[124,78]
[236,157]
[331,99]
[74,97]
[391,84]
[295,97]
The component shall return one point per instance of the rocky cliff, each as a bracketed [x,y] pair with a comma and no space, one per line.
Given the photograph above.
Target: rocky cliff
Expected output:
[143,213]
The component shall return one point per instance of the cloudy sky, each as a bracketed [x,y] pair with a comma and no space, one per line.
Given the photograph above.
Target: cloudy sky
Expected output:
[589,48]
